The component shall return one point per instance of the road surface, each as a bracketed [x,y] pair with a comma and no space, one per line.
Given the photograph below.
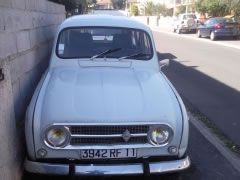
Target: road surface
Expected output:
[207,75]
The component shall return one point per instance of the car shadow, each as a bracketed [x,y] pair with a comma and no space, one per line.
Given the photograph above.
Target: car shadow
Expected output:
[219,102]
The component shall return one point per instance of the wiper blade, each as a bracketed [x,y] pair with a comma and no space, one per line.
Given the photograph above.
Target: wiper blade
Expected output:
[109,51]
[134,56]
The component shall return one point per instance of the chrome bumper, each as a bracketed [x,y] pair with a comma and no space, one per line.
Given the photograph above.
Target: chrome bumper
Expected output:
[107,169]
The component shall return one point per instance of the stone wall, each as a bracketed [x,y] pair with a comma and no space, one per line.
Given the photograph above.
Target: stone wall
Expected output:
[27,29]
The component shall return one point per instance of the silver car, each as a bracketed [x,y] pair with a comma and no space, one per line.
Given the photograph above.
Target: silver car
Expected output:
[104,107]
[185,23]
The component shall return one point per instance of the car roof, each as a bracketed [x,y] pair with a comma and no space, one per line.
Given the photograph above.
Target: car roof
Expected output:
[103,21]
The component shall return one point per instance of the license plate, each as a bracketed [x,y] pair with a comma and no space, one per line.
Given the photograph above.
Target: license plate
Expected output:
[229,26]
[108,153]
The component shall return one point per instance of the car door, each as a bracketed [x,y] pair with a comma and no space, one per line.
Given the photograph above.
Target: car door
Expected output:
[206,27]
[202,28]
[210,27]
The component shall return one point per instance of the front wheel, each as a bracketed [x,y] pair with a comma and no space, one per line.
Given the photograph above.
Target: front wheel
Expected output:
[236,37]
[199,34]
[178,31]
[212,36]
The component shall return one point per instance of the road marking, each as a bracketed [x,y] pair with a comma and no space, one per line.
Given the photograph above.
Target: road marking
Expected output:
[197,39]
[218,144]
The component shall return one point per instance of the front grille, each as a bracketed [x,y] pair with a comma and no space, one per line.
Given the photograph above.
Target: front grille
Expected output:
[106,130]
[108,135]
[107,141]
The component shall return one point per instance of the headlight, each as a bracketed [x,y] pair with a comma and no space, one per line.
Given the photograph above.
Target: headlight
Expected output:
[160,134]
[57,136]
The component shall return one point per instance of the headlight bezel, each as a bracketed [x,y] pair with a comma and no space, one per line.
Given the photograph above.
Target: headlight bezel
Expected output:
[163,127]
[57,127]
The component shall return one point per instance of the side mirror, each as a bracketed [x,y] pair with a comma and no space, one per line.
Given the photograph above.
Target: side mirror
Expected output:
[164,63]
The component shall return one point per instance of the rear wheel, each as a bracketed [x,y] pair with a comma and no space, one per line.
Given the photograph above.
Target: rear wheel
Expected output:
[199,34]
[236,37]
[212,36]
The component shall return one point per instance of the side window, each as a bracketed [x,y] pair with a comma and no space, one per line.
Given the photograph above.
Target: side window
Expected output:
[145,45]
[211,23]
[207,22]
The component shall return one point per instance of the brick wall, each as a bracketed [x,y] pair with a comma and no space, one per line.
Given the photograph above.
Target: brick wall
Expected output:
[27,28]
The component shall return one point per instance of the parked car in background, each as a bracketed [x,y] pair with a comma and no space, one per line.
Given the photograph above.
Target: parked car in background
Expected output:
[185,23]
[104,106]
[219,27]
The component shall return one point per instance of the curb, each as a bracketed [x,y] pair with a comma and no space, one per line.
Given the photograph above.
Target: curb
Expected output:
[233,159]
[197,39]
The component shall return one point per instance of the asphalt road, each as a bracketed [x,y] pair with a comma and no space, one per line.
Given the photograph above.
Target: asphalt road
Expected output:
[207,75]
[207,164]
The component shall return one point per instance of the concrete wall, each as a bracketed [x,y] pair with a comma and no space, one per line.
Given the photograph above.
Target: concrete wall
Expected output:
[27,28]
[155,21]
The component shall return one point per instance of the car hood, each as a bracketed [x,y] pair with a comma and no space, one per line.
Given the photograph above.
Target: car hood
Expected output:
[108,95]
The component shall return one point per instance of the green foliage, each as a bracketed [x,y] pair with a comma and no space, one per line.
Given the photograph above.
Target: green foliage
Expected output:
[134,10]
[218,7]
[159,9]
[118,4]
[156,9]
[181,9]
[201,6]
[149,8]
[235,7]
[82,5]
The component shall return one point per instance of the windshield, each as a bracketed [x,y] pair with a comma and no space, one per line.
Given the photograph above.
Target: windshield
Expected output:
[87,42]
[189,16]
[224,20]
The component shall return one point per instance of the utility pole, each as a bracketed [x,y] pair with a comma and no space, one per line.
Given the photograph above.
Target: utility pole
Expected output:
[174,7]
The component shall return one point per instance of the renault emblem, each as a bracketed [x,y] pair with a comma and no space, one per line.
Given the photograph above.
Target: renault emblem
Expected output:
[126,135]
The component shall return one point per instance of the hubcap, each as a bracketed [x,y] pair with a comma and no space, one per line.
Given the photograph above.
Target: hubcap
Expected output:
[212,36]
[199,33]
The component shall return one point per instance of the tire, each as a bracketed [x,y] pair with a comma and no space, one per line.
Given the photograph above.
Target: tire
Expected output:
[212,36]
[169,176]
[199,34]
[236,37]
[178,31]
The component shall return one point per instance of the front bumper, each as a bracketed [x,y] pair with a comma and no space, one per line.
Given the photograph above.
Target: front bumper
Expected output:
[107,169]
[188,28]
[226,33]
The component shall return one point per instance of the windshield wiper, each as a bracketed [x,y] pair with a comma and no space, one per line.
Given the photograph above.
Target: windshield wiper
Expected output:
[134,56]
[109,51]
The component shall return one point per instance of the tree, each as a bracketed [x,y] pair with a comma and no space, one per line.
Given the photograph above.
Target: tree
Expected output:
[149,8]
[201,7]
[234,7]
[81,5]
[181,9]
[212,7]
[216,8]
[118,4]
[134,10]
[159,9]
